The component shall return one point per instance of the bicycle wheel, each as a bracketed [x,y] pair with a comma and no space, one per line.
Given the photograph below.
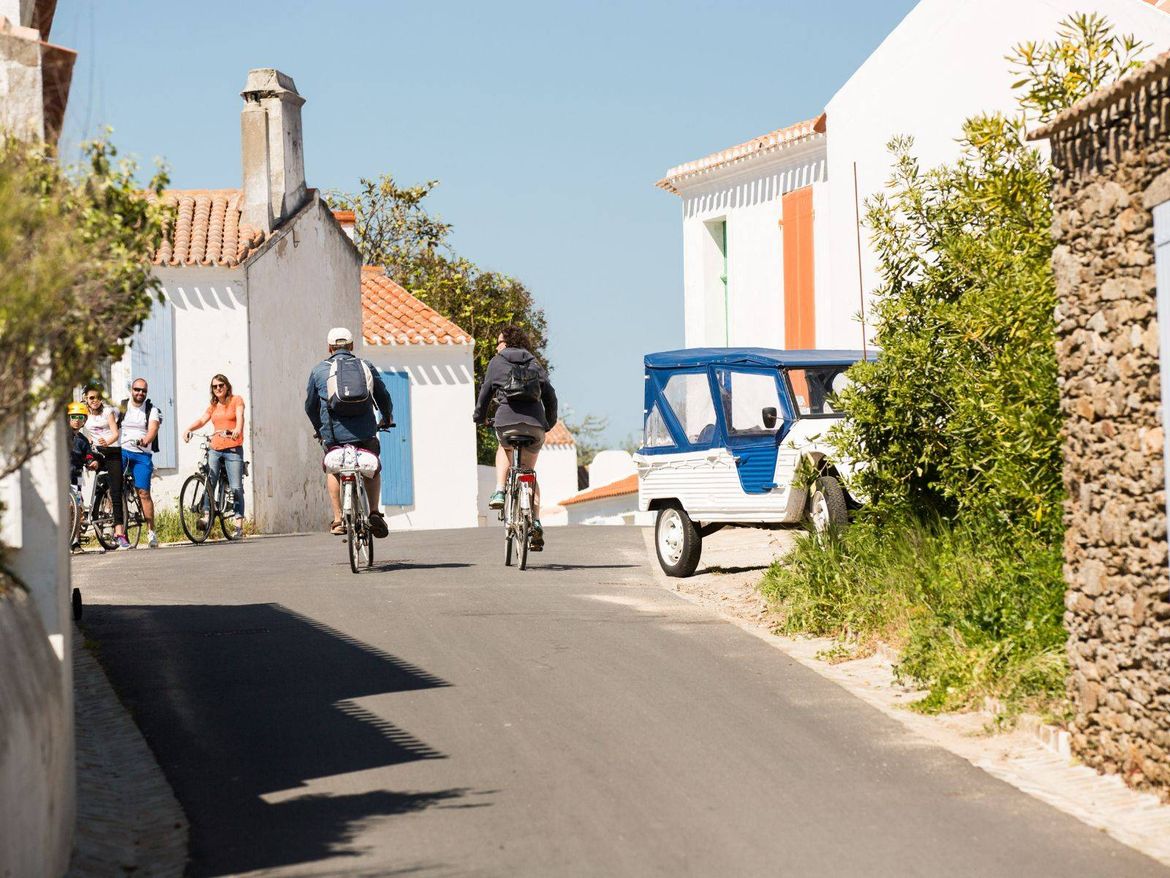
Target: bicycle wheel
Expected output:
[353,540]
[133,514]
[195,509]
[103,521]
[74,518]
[522,543]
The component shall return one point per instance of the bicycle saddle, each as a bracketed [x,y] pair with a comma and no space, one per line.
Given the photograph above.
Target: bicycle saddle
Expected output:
[517,440]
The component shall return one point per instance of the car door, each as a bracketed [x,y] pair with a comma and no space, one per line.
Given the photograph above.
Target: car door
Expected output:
[754,418]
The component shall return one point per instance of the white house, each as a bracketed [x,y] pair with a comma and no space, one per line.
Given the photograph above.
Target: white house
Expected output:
[751,260]
[611,503]
[252,279]
[428,459]
[771,228]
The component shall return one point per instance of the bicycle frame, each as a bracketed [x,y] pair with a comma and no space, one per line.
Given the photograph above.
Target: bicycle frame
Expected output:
[517,514]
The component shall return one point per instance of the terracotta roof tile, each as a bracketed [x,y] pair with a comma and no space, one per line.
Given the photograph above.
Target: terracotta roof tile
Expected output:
[391,315]
[628,485]
[207,229]
[773,141]
[559,435]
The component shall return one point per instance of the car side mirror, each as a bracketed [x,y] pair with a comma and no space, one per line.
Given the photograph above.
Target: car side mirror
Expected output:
[769,416]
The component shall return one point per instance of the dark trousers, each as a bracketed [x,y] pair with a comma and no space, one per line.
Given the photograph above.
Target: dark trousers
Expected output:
[111,463]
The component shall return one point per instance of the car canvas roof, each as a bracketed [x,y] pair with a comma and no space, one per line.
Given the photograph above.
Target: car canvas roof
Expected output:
[691,357]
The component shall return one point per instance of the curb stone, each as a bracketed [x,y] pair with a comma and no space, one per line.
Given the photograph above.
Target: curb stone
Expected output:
[1030,758]
[128,820]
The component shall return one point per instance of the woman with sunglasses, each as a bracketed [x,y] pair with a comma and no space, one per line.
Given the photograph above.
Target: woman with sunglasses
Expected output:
[226,413]
[101,424]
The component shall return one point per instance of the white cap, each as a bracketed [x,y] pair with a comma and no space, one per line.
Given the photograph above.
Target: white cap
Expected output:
[340,335]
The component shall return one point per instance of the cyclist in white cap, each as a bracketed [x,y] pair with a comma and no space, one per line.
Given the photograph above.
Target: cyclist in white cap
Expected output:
[340,398]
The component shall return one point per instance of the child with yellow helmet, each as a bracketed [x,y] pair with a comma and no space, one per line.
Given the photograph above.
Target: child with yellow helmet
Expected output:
[81,454]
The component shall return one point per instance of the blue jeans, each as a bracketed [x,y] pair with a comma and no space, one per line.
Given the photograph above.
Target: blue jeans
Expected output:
[233,459]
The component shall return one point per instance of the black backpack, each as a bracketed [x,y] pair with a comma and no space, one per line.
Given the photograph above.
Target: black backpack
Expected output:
[146,407]
[522,385]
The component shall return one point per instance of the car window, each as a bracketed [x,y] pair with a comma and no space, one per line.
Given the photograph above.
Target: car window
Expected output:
[750,400]
[655,434]
[689,398]
[816,390]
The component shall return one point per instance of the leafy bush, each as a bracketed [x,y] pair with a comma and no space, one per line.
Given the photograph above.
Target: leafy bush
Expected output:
[957,558]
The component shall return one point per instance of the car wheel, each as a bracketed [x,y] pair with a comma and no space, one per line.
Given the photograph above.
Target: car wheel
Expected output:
[677,541]
[826,505]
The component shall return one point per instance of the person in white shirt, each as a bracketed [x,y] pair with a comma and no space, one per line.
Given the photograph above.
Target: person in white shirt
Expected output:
[139,422]
[102,426]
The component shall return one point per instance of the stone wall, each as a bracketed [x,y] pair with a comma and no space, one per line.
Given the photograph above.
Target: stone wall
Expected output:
[1115,549]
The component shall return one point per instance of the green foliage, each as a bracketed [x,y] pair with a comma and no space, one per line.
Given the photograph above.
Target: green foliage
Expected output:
[393,230]
[75,278]
[957,557]
[976,611]
[1084,57]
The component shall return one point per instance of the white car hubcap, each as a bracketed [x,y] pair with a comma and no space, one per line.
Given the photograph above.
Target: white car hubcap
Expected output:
[820,513]
[670,537]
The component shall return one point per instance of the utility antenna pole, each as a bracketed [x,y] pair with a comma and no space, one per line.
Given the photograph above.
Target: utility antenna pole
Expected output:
[860,283]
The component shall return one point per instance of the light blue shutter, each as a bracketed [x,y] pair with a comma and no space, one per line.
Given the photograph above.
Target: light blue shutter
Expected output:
[152,356]
[397,456]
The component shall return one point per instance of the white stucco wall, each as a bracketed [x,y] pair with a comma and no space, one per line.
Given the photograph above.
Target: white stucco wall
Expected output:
[609,466]
[748,197]
[209,308]
[305,280]
[943,63]
[442,397]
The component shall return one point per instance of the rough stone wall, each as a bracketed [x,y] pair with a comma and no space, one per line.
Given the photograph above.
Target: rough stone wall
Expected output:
[1115,549]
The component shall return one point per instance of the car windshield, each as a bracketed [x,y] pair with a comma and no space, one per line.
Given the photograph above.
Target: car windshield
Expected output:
[815,390]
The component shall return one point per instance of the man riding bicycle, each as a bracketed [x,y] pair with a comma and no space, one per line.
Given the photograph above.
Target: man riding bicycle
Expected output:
[339,400]
[527,405]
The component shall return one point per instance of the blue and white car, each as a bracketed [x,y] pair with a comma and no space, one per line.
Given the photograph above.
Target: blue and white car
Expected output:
[738,436]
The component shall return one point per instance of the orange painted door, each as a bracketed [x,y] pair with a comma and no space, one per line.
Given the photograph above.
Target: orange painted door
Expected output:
[799,301]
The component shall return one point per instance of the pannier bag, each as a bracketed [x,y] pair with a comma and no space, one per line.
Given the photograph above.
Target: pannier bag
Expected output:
[351,459]
[349,386]
[523,385]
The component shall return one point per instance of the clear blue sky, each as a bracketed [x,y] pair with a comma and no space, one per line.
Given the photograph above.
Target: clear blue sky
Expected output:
[546,123]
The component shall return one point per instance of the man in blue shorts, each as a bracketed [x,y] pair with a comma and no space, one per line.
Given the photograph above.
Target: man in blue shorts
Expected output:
[139,419]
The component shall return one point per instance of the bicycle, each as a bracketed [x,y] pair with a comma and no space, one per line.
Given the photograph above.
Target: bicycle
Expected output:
[100,514]
[201,503]
[519,492]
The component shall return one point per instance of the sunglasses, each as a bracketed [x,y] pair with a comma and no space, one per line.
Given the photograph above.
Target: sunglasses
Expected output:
[77,417]
[138,390]
[219,387]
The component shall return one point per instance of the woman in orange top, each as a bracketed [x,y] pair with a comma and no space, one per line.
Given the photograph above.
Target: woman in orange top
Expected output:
[226,414]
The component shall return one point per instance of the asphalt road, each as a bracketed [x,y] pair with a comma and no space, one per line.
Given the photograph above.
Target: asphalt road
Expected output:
[444,715]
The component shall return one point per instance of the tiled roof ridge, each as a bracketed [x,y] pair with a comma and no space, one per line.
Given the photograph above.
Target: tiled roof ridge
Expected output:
[208,229]
[1104,97]
[392,316]
[559,435]
[620,488]
[774,140]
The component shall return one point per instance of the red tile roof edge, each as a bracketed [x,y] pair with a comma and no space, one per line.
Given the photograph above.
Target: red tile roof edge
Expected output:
[620,488]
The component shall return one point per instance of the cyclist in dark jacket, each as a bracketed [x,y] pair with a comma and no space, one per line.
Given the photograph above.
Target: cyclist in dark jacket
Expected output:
[527,417]
[359,430]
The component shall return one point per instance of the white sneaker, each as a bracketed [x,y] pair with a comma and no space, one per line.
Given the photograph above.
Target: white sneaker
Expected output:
[151,539]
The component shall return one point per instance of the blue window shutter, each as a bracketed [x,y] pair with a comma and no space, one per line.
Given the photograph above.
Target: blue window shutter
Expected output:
[152,356]
[397,456]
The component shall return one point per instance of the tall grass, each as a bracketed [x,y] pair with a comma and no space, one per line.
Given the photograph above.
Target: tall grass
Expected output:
[975,612]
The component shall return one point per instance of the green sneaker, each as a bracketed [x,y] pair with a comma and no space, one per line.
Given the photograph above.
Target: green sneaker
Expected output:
[536,541]
[496,501]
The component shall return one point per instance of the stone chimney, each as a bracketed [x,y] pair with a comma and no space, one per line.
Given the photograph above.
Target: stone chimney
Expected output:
[346,219]
[272,147]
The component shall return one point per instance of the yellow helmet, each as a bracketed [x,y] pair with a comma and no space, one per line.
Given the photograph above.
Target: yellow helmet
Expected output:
[78,408]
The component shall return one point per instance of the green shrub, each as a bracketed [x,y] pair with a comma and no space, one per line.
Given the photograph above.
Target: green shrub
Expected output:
[976,613]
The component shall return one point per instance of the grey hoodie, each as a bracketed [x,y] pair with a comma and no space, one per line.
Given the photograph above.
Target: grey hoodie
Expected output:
[541,414]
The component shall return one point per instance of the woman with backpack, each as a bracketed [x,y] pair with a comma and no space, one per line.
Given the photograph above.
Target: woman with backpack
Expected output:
[527,404]
[226,413]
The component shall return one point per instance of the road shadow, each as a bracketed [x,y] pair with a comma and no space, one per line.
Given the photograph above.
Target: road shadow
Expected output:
[536,564]
[411,565]
[244,704]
